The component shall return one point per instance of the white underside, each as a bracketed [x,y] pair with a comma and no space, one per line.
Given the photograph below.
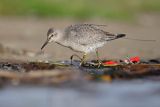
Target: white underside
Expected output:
[81,48]
[87,48]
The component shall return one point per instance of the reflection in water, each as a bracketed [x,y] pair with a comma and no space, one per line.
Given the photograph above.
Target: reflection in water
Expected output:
[118,94]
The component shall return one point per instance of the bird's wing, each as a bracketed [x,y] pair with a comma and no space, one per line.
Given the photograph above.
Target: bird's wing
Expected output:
[97,26]
[86,34]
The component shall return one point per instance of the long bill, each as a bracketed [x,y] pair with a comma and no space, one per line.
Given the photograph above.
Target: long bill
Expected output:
[44,44]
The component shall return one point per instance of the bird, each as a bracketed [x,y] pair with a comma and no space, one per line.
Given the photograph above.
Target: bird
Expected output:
[84,38]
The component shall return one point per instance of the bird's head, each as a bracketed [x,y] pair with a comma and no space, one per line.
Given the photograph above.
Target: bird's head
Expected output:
[52,35]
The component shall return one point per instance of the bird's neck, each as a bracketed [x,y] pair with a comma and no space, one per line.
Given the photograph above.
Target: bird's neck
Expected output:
[60,38]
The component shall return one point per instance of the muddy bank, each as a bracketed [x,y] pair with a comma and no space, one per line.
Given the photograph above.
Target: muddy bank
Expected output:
[47,73]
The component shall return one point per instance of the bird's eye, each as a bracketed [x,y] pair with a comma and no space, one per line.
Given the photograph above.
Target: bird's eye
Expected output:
[55,34]
[51,35]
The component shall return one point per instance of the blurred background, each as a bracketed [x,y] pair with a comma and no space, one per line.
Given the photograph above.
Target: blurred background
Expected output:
[23,28]
[24,23]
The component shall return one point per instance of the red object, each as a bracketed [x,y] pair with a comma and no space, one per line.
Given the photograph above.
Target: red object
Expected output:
[135,59]
[110,63]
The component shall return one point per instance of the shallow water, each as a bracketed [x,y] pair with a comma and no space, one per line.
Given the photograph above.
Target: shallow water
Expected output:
[135,93]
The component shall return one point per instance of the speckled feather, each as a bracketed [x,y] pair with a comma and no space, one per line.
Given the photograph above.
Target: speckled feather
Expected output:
[87,34]
[81,37]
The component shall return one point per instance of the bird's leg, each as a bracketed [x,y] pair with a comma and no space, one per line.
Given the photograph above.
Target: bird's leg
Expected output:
[98,59]
[83,59]
[75,56]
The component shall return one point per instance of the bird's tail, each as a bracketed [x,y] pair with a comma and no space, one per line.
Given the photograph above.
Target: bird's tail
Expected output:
[120,36]
[123,35]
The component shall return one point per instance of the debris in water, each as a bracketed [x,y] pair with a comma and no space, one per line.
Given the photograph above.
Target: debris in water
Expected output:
[44,73]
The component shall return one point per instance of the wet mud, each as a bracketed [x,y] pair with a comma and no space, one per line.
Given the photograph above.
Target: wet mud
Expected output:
[42,73]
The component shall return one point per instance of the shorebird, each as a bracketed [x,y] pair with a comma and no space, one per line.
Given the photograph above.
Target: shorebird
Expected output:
[83,38]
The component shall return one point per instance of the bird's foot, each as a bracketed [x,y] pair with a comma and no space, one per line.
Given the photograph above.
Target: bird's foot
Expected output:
[82,63]
[99,64]
[74,55]
[96,64]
